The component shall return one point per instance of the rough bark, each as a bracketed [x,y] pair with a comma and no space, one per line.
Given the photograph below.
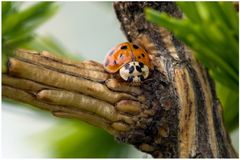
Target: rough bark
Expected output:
[174,113]
[193,114]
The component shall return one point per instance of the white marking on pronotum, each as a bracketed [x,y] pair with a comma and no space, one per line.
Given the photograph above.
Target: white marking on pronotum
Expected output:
[134,72]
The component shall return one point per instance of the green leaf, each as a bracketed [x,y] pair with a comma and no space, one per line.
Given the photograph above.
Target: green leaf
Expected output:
[9,8]
[230,14]
[18,25]
[228,99]
[192,14]
[6,7]
[18,40]
[34,14]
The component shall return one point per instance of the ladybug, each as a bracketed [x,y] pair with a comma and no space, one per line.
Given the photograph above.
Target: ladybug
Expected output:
[132,62]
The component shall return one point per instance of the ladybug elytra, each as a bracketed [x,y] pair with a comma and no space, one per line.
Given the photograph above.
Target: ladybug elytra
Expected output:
[132,62]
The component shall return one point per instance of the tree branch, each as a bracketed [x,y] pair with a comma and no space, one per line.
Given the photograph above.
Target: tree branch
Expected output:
[194,116]
[71,89]
[174,113]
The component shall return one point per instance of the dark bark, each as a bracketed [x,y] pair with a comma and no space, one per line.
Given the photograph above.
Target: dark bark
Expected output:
[201,123]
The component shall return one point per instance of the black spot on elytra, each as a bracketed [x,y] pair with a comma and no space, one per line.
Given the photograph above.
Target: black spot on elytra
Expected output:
[131,69]
[141,64]
[127,66]
[139,57]
[139,69]
[124,47]
[130,79]
[135,46]
[114,62]
[143,55]
[107,62]
[141,77]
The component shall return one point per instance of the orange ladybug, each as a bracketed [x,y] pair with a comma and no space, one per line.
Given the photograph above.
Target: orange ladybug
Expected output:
[132,62]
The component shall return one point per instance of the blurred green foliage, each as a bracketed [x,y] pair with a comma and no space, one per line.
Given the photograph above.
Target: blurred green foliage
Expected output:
[78,139]
[70,138]
[18,26]
[211,30]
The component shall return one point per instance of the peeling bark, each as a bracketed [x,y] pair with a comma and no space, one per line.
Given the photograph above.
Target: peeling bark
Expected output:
[174,113]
